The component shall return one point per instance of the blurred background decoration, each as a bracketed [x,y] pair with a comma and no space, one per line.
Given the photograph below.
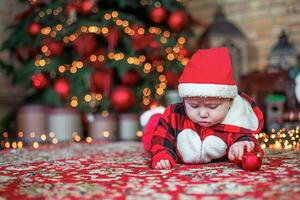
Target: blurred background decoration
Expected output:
[76,70]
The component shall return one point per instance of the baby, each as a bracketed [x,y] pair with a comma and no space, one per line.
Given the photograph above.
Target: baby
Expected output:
[213,121]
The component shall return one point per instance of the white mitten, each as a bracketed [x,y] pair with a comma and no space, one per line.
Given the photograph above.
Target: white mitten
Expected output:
[189,146]
[213,147]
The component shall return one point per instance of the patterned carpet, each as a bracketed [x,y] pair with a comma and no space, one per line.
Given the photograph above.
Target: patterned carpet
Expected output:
[121,171]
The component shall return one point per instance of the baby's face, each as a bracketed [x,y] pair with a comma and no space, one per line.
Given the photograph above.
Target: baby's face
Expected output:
[207,111]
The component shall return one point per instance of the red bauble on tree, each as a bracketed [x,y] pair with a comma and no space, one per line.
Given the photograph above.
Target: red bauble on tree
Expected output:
[56,48]
[184,52]
[62,87]
[86,6]
[113,37]
[158,15]
[172,79]
[39,81]
[85,44]
[131,77]
[102,80]
[34,29]
[122,98]
[178,20]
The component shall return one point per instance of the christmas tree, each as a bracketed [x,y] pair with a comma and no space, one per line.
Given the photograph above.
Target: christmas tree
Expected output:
[108,55]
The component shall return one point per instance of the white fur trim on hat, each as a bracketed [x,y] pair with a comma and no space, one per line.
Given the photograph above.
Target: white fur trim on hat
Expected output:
[144,118]
[189,146]
[207,90]
[213,147]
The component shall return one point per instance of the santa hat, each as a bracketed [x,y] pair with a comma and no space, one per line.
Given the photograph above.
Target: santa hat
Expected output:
[208,74]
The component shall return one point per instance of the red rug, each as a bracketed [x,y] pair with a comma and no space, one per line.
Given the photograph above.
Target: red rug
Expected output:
[120,170]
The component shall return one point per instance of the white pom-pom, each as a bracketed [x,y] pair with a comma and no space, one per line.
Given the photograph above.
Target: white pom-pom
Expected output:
[144,118]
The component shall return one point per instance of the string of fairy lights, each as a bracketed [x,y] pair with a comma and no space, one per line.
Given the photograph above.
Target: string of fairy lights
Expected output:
[281,139]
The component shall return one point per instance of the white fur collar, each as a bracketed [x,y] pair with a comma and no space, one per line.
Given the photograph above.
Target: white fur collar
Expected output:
[241,114]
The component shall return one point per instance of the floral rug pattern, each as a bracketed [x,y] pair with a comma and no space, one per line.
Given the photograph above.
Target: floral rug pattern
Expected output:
[121,170]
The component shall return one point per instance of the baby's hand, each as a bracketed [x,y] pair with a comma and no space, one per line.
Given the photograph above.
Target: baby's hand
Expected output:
[163,164]
[236,151]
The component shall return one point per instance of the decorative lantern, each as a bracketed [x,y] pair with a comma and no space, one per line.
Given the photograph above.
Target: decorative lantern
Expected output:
[128,126]
[102,127]
[32,123]
[65,124]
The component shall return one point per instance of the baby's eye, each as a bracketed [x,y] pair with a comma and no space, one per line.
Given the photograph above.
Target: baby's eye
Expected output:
[194,106]
[213,106]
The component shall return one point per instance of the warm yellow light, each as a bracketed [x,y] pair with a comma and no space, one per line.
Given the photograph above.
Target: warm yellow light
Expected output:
[52,134]
[139,133]
[73,70]
[72,37]
[20,145]
[146,101]
[142,58]
[54,141]
[87,98]
[162,78]
[7,145]
[107,16]
[125,23]
[83,29]
[104,113]
[106,134]
[181,40]
[114,14]
[147,66]
[93,58]
[5,135]
[35,145]
[88,139]
[119,22]
[130,60]
[146,92]
[170,57]
[20,134]
[32,134]
[14,145]
[100,58]
[58,27]
[61,69]
[160,68]
[43,137]
[163,40]
[141,31]
[74,103]
[77,138]
[159,91]
[42,63]
[98,97]
[166,34]
[44,49]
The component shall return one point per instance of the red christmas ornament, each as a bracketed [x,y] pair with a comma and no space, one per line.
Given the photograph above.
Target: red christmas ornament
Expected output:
[62,87]
[85,44]
[251,161]
[184,52]
[102,80]
[113,37]
[158,15]
[131,77]
[122,98]
[56,48]
[178,20]
[39,81]
[86,6]
[172,79]
[34,29]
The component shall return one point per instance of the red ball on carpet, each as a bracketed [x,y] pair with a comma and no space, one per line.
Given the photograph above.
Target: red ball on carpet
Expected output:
[34,28]
[62,87]
[39,81]
[178,20]
[158,14]
[122,98]
[251,161]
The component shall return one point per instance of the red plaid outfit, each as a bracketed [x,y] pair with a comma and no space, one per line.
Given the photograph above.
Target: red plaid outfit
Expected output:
[174,120]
